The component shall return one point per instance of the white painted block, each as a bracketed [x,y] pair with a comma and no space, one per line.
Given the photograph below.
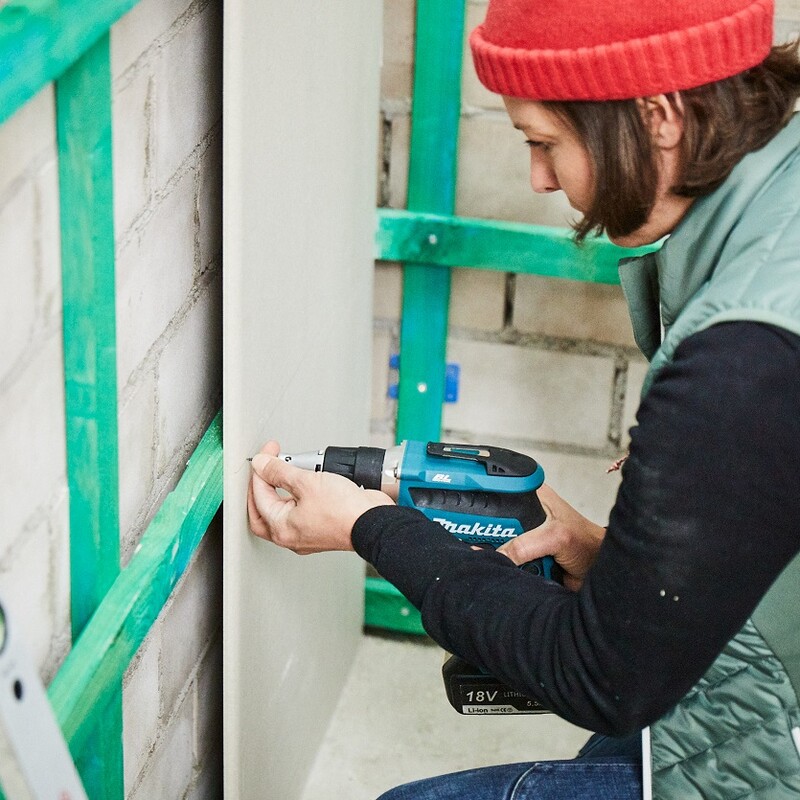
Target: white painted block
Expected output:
[787,28]
[141,720]
[25,136]
[572,310]
[188,98]
[60,578]
[208,708]
[18,308]
[787,19]
[48,223]
[209,203]
[519,392]
[137,449]
[190,376]
[581,480]
[25,584]
[788,8]
[388,290]
[32,437]
[132,146]
[190,621]
[473,93]
[155,272]
[141,28]
[397,72]
[477,299]
[169,769]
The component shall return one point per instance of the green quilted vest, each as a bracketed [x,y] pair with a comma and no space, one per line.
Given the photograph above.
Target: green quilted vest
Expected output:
[734,256]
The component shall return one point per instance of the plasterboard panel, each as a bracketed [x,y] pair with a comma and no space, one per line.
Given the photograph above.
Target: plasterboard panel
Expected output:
[300,130]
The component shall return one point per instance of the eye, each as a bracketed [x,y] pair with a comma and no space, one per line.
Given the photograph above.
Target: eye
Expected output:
[535,144]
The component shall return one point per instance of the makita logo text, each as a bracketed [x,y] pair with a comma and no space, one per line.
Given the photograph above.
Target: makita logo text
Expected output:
[476,529]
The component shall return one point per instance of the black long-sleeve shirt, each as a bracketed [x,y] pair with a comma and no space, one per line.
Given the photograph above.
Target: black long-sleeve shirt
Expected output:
[707,516]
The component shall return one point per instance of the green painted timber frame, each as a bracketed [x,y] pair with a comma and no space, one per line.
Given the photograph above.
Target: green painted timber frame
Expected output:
[112,610]
[83,121]
[66,41]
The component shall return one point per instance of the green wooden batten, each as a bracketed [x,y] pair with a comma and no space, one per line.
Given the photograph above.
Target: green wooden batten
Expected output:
[94,668]
[431,188]
[83,99]
[83,120]
[387,608]
[40,39]
[448,241]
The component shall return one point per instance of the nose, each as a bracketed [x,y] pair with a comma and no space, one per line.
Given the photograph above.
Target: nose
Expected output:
[543,177]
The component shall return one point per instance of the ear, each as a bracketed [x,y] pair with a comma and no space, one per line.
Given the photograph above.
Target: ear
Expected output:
[663,116]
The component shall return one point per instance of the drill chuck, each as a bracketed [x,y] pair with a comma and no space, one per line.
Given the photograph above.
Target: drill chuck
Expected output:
[362,465]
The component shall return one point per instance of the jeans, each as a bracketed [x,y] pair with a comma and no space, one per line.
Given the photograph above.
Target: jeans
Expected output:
[605,769]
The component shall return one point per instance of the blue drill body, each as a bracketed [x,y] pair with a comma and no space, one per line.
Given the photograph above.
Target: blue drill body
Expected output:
[480,494]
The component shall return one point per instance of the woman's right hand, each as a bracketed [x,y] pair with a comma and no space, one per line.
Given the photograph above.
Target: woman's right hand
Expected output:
[572,539]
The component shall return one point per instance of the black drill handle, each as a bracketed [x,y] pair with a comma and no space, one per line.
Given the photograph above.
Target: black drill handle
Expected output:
[523,507]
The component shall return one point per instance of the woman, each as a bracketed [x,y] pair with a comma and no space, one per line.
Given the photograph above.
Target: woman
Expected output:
[671,119]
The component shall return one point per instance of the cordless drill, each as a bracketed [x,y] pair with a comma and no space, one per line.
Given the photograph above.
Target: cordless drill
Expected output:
[482,495]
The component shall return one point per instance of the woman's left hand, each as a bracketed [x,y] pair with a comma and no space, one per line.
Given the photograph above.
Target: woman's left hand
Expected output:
[572,539]
[318,515]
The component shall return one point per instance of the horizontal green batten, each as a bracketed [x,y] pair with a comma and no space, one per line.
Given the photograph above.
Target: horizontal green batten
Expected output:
[92,672]
[450,241]
[39,39]
[385,607]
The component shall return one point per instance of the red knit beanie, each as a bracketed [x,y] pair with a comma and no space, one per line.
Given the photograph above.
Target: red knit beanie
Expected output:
[617,49]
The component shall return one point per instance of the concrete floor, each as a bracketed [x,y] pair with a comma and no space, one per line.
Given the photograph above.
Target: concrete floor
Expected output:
[393,724]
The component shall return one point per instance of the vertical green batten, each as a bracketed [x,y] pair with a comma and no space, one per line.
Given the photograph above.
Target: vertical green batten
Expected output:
[83,109]
[431,187]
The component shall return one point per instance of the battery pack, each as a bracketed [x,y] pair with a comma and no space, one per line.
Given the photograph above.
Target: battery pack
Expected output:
[473,692]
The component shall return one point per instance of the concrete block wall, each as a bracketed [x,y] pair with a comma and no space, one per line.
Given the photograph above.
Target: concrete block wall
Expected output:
[166,70]
[166,73]
[34,539]
[548,366]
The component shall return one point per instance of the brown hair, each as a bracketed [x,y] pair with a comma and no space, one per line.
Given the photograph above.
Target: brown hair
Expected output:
[723,121]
